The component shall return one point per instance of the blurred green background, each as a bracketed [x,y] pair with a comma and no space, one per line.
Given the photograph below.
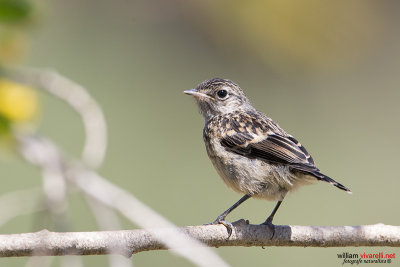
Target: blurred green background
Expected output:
[326,71]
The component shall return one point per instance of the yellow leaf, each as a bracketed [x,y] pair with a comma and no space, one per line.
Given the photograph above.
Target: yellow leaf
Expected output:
[17,102]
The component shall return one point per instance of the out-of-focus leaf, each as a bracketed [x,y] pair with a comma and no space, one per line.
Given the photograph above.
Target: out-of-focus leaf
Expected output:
[17,102]
[4,125]
[14,10]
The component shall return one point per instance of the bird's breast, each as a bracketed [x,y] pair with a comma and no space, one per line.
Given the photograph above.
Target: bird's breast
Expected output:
[248,176]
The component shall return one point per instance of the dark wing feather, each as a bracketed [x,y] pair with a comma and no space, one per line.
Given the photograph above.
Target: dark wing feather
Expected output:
[273,148]
[277,149]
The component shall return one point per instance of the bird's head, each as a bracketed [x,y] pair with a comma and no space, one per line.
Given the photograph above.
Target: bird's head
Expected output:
[218,97]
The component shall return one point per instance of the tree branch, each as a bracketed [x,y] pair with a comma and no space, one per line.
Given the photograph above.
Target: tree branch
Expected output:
[129,242]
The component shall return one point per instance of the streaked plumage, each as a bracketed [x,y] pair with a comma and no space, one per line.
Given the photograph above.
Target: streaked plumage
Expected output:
[251,153]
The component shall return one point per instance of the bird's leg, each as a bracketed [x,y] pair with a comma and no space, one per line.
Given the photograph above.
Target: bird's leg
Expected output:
[221,218]
[268,221]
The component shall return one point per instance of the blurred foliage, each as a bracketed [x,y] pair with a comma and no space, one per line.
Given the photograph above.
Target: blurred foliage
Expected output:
[17,102]
[4,125]
[16,17]
[14,10]
[18,108]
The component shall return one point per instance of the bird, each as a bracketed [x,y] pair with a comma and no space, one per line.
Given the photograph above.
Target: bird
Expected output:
[252,154]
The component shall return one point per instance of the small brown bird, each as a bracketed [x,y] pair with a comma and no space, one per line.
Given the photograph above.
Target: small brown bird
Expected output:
[251,153]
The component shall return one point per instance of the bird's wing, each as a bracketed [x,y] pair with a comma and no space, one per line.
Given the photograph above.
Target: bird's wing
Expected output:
[271,147]
[278,149]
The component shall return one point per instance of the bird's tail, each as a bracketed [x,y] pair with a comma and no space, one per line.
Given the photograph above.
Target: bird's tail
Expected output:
[327,179]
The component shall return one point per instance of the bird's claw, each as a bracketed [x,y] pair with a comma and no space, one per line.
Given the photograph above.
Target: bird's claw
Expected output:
[228,225]
[271,227]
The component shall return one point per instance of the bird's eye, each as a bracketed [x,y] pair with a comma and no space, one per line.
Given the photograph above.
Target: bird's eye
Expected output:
[222,94]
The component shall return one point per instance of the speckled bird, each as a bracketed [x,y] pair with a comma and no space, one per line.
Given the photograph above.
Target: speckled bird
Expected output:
[251,153]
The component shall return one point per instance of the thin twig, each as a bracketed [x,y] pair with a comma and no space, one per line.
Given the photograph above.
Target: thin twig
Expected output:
[79,99]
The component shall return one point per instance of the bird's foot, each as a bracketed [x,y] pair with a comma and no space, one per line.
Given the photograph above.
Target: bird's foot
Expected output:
[221,220]
[271,226]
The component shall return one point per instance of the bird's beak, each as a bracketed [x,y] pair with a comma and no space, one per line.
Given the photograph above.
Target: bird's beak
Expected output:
[196,94]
